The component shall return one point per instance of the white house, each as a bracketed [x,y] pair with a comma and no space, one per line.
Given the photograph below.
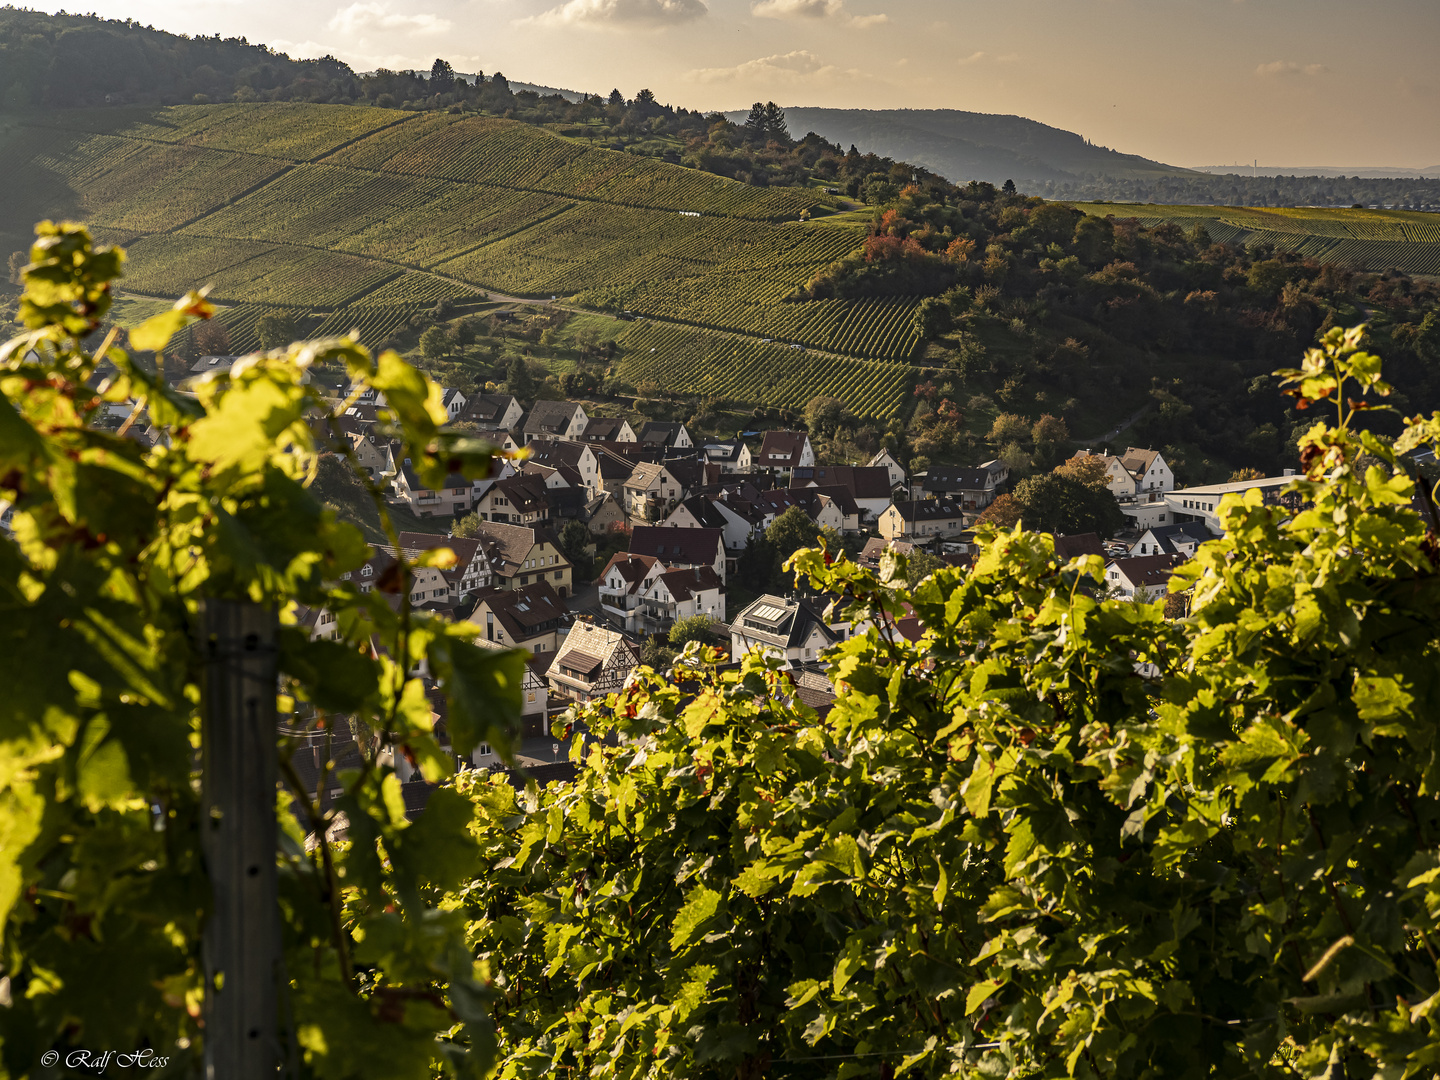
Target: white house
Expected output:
[790,629]
[623,582]
[886,460]
[782,451]
[453,497]
[924,520]
[651,492]
[678,594]
[732,457]
[1147,573]
[564,420]
[1201,504]
[452,401]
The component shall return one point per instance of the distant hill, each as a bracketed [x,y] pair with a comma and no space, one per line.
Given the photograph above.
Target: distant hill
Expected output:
[965,146]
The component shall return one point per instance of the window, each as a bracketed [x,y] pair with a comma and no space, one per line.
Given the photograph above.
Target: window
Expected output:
[559,574]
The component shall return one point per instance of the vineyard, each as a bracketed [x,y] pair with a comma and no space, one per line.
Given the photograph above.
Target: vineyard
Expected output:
[1368,239]
[744,369]
[363,219]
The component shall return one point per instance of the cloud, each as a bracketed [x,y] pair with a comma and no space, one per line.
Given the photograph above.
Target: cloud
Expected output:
[814,9]
[377,18]
[1289,67]
[985,57]
[622,13]
[792,68]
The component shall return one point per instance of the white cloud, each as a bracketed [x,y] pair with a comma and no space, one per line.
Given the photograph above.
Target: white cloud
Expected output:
[1289,67]
[814,9]
[376,18]
[622,12]
[788,69]
[979,57]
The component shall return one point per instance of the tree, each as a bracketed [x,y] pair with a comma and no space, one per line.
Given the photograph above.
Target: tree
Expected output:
[1003,513]
[1034,804]
[758,567]
[575,539]
[16,266]
[775,126]
[691,628]
[275,330]
[756,125]
[920,565]
[1087,469]
[467,527]
[932,318]
[826,415]
[791,531]
[1049,430]
[435,343]
[1055,503]
[616,99]
[442,77]
[1008,188]
[519,381]
[1009,428]
[210,339]
[1243,474]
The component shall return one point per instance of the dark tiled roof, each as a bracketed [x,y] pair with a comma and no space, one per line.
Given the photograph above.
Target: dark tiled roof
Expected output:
[1070,547]
[683,584]
[532,611]
[930,510]
[862,482]
[550,416]
[675,546]
[788,444]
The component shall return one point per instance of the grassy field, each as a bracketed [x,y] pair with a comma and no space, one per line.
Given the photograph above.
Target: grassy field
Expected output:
[363,218]
[1368,239]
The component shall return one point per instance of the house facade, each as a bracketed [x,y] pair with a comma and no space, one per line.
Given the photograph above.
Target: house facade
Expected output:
[679,594]
[651,492]
[787,628]
[563,420]
[732,456]
[591,662]
[924,520]
[782,451]
[491,412]
[530,617]
[623,582]
[471,571]
[453,498]
[886,460]
[520,556]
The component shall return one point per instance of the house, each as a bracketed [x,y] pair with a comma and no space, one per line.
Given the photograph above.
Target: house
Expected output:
[534,695]
[679,594]
[591,662]
[793,630]
[830,507]
[875,547]
[623,582]
[608,429]
[471,571]
[680,547]
[782,451]
[650,492]
[530,617]
[732,457]
[603,514]
[428,587]
[452,401]
[1146,574]
[1202,504]
[736,521]
[364,577]
[584,459]
[887,461]
[924,520]
[453,497]
[973,488]
[868,486]
[520,555]
[518,500]
[365,395]
[1139,480]
[670,435]
[318,623]
[563,420]
[373,453]
[1181,539]
[491,412]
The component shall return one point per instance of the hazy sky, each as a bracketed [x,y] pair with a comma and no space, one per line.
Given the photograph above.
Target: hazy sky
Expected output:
[1190,82]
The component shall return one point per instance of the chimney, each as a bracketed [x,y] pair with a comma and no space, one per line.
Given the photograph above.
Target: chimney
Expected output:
[1289,472]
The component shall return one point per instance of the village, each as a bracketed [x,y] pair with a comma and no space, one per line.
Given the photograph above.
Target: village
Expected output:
[599,547]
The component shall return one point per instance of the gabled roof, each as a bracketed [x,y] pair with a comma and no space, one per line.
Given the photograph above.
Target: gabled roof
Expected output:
[689,547]
[644,476]
[930,510]
[525,492]
[788,444]
[465,548]
[548,417]
[486,408]
[1184,532]
[1072,547]
[507,546]
[659,432]
[525,613]
[784,621]
[862,482]
[412,481]
[1137,461]
[587,649]
[630,452]
[631,568]
[869,556]
[1146,570]
[702,509]
[683,584]
[841,496]
[603,429]
[723,451]
[954,478]
[556,452]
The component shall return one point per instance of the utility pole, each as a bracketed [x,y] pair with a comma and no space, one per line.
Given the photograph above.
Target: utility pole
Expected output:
[237,837]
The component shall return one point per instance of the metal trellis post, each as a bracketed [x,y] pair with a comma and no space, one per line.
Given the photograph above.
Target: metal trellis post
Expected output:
[241,941]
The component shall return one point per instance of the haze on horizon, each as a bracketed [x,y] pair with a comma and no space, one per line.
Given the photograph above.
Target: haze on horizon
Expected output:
[1290,82]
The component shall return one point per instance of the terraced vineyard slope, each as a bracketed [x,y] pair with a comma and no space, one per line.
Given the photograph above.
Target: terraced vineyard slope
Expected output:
[367,216]
[1367,239]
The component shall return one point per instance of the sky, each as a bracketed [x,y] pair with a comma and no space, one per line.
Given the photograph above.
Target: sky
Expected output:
[1189,82]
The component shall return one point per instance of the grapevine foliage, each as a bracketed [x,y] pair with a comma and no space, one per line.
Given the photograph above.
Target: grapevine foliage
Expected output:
[102,889]
[1056,836]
